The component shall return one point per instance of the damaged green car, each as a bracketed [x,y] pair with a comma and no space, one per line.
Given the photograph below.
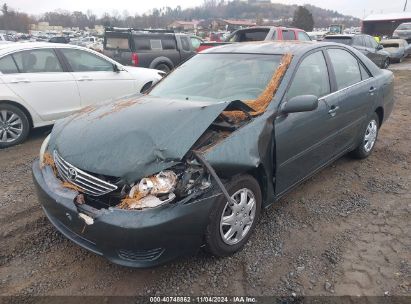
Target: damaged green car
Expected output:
[192,163]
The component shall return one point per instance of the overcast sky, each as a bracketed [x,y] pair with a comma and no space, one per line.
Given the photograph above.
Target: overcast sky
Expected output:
[357,8]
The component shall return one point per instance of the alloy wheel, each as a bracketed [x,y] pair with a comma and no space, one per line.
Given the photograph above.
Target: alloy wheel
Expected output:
[238,216]
[370,135]
[11,126]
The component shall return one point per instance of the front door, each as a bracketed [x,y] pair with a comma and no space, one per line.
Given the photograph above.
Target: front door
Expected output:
[306,140]
[96,79]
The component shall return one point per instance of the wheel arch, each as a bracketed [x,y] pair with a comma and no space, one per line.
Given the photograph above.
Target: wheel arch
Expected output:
[380,113]
[22,108]
[260,175]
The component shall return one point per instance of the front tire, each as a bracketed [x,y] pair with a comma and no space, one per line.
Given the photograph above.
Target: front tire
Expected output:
[14,126]
[163,67]
[369,138]
[231,223]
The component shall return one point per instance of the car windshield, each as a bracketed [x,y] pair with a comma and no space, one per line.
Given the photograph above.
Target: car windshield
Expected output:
[344,40]
[219,77]
[404,27]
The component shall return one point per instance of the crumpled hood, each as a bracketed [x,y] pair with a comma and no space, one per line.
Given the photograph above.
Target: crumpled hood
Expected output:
[134,137]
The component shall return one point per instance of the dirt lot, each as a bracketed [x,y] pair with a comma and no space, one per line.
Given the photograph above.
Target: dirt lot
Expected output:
[344,232]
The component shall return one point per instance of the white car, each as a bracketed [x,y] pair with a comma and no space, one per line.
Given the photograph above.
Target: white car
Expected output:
[42,82]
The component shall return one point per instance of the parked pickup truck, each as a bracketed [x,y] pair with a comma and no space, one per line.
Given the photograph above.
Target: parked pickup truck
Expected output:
[156,49]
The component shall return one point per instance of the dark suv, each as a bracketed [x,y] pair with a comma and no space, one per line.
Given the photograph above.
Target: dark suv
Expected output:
[156,49]
[366,45]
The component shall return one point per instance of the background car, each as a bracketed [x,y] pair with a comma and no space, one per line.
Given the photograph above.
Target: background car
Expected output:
[260,33]
[403,31]
[42,82]
[366,45]
[397,48]
[156,49]
[59,39]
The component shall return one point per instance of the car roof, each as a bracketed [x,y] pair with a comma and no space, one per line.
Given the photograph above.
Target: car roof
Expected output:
[270,27]
[20,46]
[392,41]
[278,47]
[342,36]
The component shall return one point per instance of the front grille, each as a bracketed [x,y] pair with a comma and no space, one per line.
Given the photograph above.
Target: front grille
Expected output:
[86,183]
[140,255]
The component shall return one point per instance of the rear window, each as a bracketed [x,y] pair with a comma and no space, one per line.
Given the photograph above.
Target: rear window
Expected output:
[254,35]
[154,42]
[343,40]
[7,65]
[288,35]
[117,43]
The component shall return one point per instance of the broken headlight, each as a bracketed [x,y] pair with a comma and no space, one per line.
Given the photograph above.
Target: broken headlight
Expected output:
[151,191]
[43,148]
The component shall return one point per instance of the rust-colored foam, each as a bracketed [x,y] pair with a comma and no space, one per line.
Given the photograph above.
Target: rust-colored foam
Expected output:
[71,186]
[128,201]
[260,104]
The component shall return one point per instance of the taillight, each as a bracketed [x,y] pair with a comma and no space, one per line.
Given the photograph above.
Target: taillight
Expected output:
[134,59]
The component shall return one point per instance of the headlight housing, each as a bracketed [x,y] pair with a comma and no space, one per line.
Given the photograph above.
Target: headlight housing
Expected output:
[151,191]
[43,148]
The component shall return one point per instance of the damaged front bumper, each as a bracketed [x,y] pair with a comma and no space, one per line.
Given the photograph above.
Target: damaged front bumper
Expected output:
[134,238]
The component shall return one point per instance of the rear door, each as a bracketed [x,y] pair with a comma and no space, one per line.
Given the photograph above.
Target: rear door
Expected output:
[42,83]
[356,92]
[95,77]
[305,141]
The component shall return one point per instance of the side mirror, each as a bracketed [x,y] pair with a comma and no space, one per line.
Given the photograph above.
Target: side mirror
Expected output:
[115,68]
[302,103]
[379,47]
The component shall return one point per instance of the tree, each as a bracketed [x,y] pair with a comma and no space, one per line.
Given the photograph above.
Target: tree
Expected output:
[303,19]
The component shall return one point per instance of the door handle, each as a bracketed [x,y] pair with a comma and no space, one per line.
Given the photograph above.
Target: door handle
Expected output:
[20,80]
[333,110]
[372,90]
[84,78]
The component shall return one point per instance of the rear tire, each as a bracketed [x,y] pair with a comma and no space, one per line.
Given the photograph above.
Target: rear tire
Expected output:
[14,126]
[368,138]
[163,67]
[240,217]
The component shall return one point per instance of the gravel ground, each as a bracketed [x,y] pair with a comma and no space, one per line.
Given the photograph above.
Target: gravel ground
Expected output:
[346,231]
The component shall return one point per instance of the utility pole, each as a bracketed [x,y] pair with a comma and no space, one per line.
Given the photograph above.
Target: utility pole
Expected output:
[405,6]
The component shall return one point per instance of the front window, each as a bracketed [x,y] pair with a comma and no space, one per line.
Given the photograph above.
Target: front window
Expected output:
[81,61]
[311,77]
[219,77]
[303,36]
